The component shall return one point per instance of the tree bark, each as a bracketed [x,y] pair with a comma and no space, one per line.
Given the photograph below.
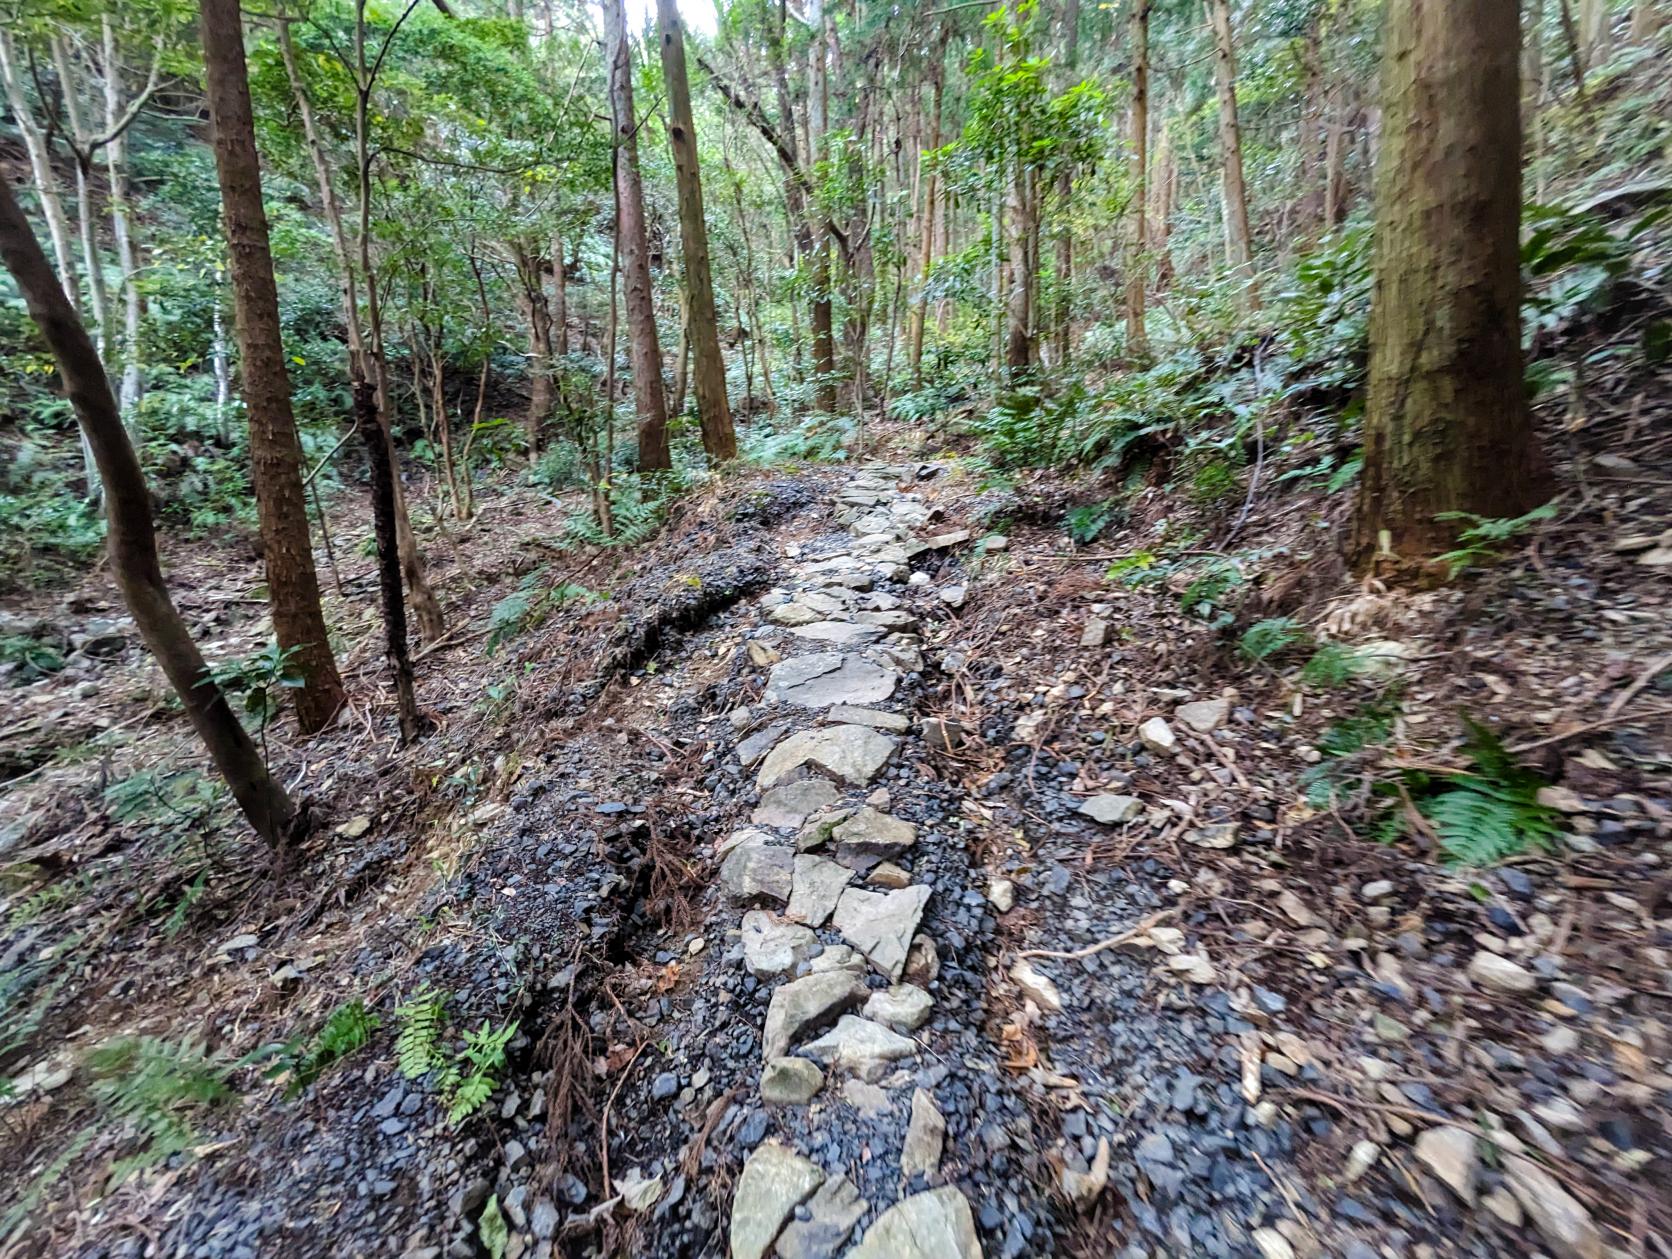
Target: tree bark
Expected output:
[1238,238]
[642,343]
[1137,267]
[926,225]
[1446,428]
[132,536]
[127,255]
[275,449]
[719,438]
[388,557]
[1062,316]
[818,114]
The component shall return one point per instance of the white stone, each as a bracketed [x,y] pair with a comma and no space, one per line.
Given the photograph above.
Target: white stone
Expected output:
[771,947]
[1112,810]
[933,1225]
[881,924]
[1204,716]
[860,1046]
[1565,1225]
[851,753]
[920,1155]
[904,1007]
[1158,736]
[808,1005]
[1036,986]
[1451,1153]
[1500,974]
[816,886]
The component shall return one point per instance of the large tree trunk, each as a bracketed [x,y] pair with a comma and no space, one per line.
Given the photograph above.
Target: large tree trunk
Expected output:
[818,114]
[275,450]
[1061,317]
[1239,240]
[926,224]
[1018,313]
[1137,266]
[132,537]
[1446,425]
[642,344]
[719,439]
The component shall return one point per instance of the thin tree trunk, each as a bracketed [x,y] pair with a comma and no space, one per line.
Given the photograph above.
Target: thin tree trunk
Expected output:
[926,247]
[127,256]
[1647,19]
[1062,316]
[1137,267]
[40,167]
[382,480]
[642,343]
[719,438]
[1446,427]
[275,449]
[1238,238]
[222,368]
[132,537]
[560,300]
[818,113]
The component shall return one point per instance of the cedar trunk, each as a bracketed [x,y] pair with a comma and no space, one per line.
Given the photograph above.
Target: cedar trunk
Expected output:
[719,439]
[1447,426]
[643,346]
[275,450]
[132,536]
[1137,267]
[1238,238]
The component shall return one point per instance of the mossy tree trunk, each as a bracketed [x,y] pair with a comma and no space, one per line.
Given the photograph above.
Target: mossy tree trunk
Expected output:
[1447,427]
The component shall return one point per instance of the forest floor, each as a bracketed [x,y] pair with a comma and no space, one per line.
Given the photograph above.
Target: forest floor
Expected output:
[1104,972]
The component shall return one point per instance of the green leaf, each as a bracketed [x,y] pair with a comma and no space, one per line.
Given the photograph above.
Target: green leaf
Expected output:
[492,1229]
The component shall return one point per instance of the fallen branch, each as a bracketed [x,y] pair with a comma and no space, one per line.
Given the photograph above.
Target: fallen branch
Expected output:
[1112,942]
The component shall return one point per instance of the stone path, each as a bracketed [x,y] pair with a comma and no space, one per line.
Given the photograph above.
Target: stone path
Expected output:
[829,909]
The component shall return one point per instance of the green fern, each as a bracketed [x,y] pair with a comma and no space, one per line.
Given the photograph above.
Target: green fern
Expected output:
[1479,541]
[348,1028]
[156,1088]
[418,1043]
[484,1051]
[1331,665]
[491,1227]
[1271,637]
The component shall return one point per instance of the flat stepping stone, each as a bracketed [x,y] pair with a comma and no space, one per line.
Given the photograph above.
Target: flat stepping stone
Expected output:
[772,1184]
[807,1005]
[860,1046]
[841,633]
[790,1081]
[793,614]
[823,678]
[756,873]
[772,947]
[760,743]
[793,803]
[816,886]
[1112,810]
[852,754]
[831,1214]
[933,1225]
[881,924]
[894,723]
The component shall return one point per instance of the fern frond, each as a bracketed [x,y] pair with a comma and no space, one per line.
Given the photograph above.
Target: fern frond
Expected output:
[418,1043]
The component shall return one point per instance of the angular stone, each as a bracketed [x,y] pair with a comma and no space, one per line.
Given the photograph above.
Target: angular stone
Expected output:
[888,619]
[904,1007]
[831,1214]
[859,1045]
[816,832]
[925,1136]
[922,962]
[756,872]
[867,1099]
[1205,715]
[1565,1225]
[760,743]
[840,633]
[933,1225]
[852,753]
[1452,1155]
[792,614]
[1112,810]
[790,1081]
[1500,974]
[1036,986]
[772,1184]
[824,678]
[869,833]
[1095,633]
[881,924]
[771,947]
[808,1005]
[793,803]
[887,874]
[1001,894]
[839,957]
[816,887]
[895,723]
[762,654]
[1157,736]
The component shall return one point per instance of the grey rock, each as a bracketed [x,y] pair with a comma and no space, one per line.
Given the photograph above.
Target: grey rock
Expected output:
[881,924]
[1156,735]
[922,962]
[760,743]
[1204,716]
[839,633]
[832,1213]
[860,1046]
[796,613]
[866,1098]
[1111,810]
[790,1081]
[756,872]
[808,1005]
[793,803]
[1500,974]
[816,886]
[1036,986]
[772,1184]
[933,1225]
[771,947]
[852,754]
[941,734]
[824,678]
[904,1007]
[1452,1154]
[869,833]
[1565,1225]
[1095,633]
[895,723]
[920,1155]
